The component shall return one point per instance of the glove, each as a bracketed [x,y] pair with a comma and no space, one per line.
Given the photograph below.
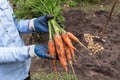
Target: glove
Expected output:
[40,51]
[40,24]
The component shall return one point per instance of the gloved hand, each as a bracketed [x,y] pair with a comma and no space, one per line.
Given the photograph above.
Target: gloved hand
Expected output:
[40,51]
[40,24]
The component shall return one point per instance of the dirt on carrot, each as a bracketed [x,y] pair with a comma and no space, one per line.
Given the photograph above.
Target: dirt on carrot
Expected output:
[60,50]
[67,40]
[51,48]
[73,37]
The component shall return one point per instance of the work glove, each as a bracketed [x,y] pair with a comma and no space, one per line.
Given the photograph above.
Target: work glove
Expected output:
[40,24]
[40,51]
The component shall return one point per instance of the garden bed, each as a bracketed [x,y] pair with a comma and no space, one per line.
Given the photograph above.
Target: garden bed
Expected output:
[108,66]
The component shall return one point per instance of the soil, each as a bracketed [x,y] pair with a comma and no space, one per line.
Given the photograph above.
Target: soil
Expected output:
[105,65]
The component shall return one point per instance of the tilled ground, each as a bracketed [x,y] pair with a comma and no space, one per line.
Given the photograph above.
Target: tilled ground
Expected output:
[102,66]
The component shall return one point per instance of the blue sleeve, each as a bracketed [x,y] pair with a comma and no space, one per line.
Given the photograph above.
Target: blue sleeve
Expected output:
[22,25]
[14,54]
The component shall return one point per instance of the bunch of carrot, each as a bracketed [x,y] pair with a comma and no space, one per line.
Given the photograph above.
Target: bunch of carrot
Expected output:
[60,45]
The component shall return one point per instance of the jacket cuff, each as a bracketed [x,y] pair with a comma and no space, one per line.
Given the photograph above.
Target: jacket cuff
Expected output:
[31,51]
[31,24]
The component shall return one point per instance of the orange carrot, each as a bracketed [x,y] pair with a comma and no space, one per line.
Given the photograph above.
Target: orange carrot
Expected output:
[72,53]
[60,51]
[67,40]
[73,37]
[51,49]
[69,58]
[68,55]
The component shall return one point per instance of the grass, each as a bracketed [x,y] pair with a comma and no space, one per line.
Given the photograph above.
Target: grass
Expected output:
[94,7]
[51,76]
[102,7]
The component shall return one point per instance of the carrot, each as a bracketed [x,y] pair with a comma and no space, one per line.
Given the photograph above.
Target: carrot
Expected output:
[67,40]
[74,38]
[68,56]
[69,59]
[60,51]
[73,55]
[51,49]
[72,52]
